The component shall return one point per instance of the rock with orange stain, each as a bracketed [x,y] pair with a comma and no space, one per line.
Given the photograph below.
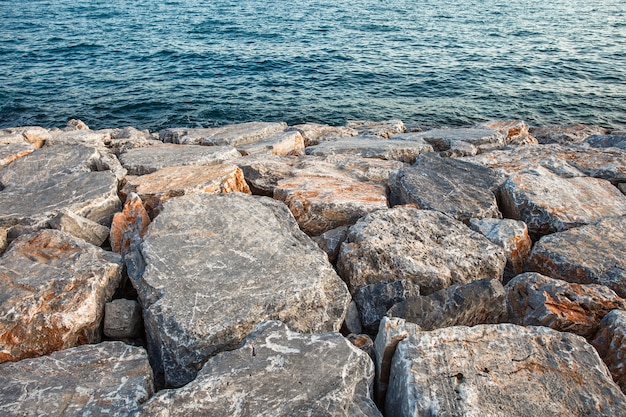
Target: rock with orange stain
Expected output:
[548,203]
[512,236]
[320,204]
[13,151]
[129,226]
[537,300]
[610,342]
[166,183]
[500,370]
[53,288]
[35,136]
[315,133]
[284,143]
[568,134]
[515,131]
[592,254]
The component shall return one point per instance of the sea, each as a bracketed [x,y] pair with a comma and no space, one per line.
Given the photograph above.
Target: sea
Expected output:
[154,64]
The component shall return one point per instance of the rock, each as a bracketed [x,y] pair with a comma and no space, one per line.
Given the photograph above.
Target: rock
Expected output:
[54,287]
[83,137]
[372,147]
[512,236]
[35,136]
[284,143]
[320,204]
[142,161]
[569,134]
[75,124]
[536,300]
[609,341]
[384,129]
[10,137]
[330,242]
[481,138]
[277,372]
[123,140]
[500,370]
[515,131]
[122,319]
[13,151]
[363,342]
[110,378]
[230,135]
[479,302]
[51,180]
[154,189]
[425,247]
[548,203]
[592,254]
[374,300]
[218,264]
[365,169]
[607,141]
[3,240]
[352,322]
[79,227]
[129,226]
[314,133]
[457,188]
[622,187]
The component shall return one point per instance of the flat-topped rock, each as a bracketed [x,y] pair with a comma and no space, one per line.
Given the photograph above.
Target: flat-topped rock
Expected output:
[592,254]
[109,378]
[284,143]
[53,291]
[569,134]
[536,300]
[314,133]
[457,188]
[609,342]
[277,372]
[94,138]
[500,370]
[33,135]
[79,227]
[425,247]
[384,129]
[166,183]
[230,135]
[481,138]
[244,260]
[372,147]
[548,203]
[607,141]
[13,151]
[142,161]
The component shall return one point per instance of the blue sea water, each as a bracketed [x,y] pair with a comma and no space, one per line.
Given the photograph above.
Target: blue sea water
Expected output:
[155,64]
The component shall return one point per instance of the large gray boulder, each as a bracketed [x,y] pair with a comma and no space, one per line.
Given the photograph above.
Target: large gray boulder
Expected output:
[275,373]
[216,266]
[607,141]
[53,289]
[107,379]
[425,247]
[460,189]
[500,370]
[229,135]
[314,133]
[609,342]
[384,128]
[592,254]
[482,139]
[568,134]
[372,147]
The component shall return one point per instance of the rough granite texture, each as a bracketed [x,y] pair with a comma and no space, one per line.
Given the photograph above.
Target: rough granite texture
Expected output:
[372,147]
[610,342]
[230,135]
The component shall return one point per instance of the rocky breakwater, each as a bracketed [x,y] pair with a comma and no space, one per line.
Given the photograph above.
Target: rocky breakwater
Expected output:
[363,270]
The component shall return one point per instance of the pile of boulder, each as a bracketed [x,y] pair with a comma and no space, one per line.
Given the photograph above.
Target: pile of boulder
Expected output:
[261,269]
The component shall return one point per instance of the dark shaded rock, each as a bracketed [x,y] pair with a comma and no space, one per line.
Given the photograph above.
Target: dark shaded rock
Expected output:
[607,141]
[592,254]
[13,151]
[122,319]
[479,302]
[500,370]
[363,342]
[277,372]
[331,240]
[374,300]
[109,378]
[536,300]
[352,322]
[610,342]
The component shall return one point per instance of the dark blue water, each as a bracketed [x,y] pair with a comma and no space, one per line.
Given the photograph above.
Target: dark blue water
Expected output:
[154,64]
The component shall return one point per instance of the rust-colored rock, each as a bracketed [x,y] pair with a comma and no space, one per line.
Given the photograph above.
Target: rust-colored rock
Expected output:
[515,131]
[13,151]
[53,289]
[284,143]
[129,226]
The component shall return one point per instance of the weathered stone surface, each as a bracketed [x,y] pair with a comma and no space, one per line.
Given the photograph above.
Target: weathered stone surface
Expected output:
[592,254]
[352,322]
[320,204]
[607,141]
[36,136]
[129,226]
[39,186]
[457,188]
[622,187]
[141,161]
[500,370]
[445,139]
[372,147]
[383,129]
[284,143]
[330,242]
[512,236]
[3,240]
[365,169]
[244,260]
[478,302]
[548,203]
[79,227]
[536,300]
[93,138]
[13,151]
[566,134]
[425,247]
[230,135]
[315,133]
[277,372]
[610,342]
[128,138]
[363,342]
[374,300]
[166,183]
[53,291]
[122,319]
[75,124]
[110,378]
[515,131]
